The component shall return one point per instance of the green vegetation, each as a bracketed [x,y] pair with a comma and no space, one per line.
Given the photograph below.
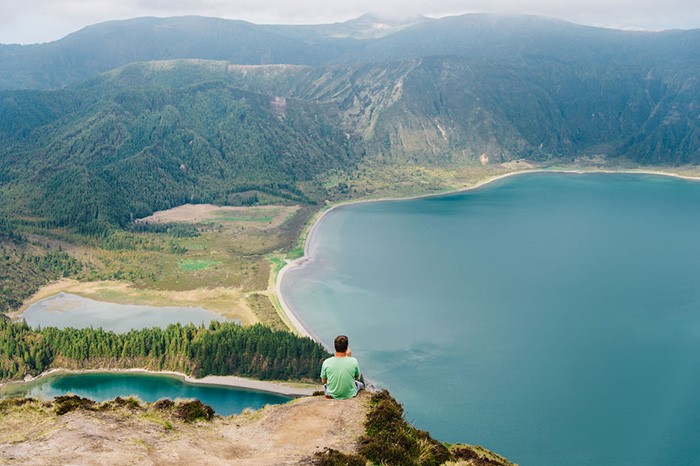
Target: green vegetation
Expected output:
[265,311]
[296,253]
[184,410]
[191,411]
[221,349]
[23,270]
[150,136]
[389,440]
[224,218]
[192,265]
[255,215]
[130,152]
[67,403]
[277,264]
[177,230]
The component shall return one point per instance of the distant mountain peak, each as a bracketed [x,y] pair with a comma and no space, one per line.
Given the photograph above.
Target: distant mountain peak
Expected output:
[386,19]
[377,25]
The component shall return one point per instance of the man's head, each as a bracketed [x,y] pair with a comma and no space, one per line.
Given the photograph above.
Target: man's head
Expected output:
[341,344]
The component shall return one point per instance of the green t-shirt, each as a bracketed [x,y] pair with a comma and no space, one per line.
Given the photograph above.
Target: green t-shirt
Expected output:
[340,374]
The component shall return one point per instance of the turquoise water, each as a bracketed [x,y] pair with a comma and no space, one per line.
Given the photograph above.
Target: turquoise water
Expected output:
[552,318]
[69,310]
[148,387]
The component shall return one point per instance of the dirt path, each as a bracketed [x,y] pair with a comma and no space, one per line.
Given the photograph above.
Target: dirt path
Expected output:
[275,435]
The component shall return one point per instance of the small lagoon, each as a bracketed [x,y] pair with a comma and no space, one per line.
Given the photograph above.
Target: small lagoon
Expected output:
[68,310]
[101,386]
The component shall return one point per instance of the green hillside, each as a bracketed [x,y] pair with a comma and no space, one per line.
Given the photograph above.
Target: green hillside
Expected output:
[449,110]
[447,93]
[124,153]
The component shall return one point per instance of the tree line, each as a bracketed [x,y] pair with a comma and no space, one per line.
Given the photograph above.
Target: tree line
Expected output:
[135,151]
[222,348]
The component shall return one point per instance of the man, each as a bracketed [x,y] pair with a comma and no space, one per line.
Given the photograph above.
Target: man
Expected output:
[340,374]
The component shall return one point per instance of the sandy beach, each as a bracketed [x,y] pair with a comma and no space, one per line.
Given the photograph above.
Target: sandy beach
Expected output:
[280,297]
[280,388]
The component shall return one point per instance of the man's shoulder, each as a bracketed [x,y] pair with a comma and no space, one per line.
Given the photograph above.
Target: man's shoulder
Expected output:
[333,360]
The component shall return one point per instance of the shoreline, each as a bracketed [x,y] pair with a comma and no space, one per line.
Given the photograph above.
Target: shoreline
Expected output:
[287,309]
[72,286]
[292,315]
[217,300]
[229,381]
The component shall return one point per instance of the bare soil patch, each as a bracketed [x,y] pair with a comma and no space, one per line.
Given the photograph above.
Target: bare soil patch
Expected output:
[275,435]
[258,217]
[518,165]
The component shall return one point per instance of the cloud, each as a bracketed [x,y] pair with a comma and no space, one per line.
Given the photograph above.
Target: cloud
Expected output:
[45,20]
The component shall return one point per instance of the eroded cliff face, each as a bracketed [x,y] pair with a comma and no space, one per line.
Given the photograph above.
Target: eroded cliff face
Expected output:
[311,430]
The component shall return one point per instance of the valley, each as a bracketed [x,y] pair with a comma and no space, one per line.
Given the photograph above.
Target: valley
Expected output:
[185,161]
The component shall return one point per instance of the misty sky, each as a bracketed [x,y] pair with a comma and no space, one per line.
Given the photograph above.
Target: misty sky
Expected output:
[31,21]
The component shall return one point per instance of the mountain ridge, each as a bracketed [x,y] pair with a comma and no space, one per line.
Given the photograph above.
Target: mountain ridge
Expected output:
[98,48]
[278,114]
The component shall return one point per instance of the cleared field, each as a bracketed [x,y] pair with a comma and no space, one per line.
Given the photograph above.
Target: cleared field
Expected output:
[259,217]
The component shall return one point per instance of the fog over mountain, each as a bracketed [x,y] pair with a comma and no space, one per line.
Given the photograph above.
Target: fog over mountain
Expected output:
[47,20]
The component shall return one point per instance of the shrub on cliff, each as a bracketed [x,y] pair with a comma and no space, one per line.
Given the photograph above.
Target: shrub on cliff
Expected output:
[390,440]
[190,411]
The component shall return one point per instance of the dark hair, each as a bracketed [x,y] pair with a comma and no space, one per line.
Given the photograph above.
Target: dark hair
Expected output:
[341,343]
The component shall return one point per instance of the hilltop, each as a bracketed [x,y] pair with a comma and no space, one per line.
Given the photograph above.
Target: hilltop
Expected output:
[310,430]
[279,434]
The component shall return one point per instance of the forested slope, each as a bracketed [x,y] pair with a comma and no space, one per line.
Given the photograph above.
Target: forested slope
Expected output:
[24,268]
[445,93]
[124,153]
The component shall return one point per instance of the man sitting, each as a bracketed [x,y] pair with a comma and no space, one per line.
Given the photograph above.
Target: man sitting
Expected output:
[340,374]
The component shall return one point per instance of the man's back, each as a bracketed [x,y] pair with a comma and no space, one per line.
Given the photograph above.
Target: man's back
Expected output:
[340,373]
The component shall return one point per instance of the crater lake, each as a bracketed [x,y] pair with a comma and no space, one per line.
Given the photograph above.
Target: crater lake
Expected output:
[552,318]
